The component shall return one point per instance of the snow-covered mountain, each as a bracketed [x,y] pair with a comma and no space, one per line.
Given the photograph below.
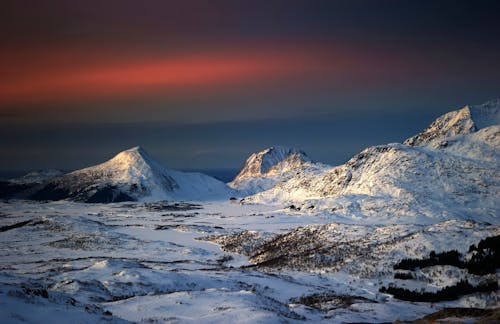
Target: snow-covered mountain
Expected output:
[271,166]
[467,120]
[450,170]
[130,175]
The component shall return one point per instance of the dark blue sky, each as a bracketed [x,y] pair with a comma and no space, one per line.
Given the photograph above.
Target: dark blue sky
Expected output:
[201,84]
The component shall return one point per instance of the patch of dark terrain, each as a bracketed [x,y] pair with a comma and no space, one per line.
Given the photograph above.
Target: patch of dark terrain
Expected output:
[86,242]
[53,191]
[176,215]
[448,293]
[404,275]
[481,260]
[20,224]
[479,315]
[303,248]
[10,190]
[329,301]
[191,228]
[243,242]
[169,206]
[223,259]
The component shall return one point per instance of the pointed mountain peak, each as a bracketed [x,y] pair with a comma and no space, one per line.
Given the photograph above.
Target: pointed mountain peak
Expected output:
[466,120]
[274,155]
[135,155]
[137,150]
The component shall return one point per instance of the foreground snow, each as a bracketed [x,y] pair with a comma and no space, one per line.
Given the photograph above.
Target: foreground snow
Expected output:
[156,262]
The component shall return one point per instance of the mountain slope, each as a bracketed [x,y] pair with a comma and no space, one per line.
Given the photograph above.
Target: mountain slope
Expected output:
[451,171]
[130,175]
[467,120]
[264,169]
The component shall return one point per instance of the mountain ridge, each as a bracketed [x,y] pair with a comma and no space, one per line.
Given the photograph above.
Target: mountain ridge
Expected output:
[452,173]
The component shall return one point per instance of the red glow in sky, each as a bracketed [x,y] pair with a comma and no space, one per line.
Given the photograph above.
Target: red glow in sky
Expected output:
[52,77]
[75,74]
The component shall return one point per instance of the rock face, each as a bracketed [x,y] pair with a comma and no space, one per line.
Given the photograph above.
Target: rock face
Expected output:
[265,169]
[459,122]
[271,161]
[452,169]
[130,175]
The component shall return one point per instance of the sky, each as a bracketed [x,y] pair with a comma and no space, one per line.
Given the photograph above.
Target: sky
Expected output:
[202,84]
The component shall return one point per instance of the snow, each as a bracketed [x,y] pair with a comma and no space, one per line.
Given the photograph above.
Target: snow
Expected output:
[144,265]
[307,230]
[269,167]
[457,176]
[459,122]
[136,175]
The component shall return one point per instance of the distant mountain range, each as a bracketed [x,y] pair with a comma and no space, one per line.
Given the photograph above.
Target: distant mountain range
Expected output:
[451,169]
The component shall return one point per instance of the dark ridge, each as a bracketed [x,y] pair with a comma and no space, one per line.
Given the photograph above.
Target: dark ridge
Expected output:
[16,225]
[446,294]
[329,301]
[11,190]
[462,312]
[50,191]
[404,276]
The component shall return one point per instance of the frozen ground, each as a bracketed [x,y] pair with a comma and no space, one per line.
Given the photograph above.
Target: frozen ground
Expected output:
[64,262]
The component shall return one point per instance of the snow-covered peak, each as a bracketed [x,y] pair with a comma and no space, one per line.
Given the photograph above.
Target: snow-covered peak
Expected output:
[135,165]
[133,170]
[272,160]
[466,120]
[131,175]
[265,169]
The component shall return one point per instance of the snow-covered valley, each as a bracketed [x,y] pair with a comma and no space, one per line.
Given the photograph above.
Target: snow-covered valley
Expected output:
[156,263]
[289,240]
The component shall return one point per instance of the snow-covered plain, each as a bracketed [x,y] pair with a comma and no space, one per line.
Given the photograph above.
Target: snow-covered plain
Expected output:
[143,262]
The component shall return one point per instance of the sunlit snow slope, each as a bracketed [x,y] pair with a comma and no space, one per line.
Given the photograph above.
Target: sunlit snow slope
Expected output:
[450,170]
[269,167]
